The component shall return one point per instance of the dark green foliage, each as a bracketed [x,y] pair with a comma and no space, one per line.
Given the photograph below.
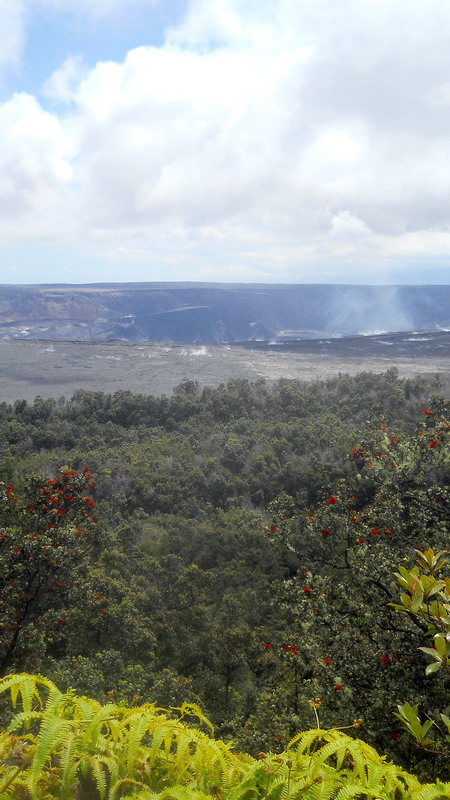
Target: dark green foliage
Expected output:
[241,554]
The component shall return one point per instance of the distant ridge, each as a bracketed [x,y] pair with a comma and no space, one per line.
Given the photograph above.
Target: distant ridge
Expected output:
[217,313]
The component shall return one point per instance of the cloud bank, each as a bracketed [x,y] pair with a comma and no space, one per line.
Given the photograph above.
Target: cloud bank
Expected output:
[261,141]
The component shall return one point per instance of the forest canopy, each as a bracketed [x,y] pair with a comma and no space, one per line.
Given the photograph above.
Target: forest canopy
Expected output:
[236,548]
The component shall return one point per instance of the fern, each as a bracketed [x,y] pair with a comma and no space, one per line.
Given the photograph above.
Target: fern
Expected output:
[437,791]
[114,752]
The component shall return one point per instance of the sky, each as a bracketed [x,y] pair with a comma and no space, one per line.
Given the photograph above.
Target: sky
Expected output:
[270,141]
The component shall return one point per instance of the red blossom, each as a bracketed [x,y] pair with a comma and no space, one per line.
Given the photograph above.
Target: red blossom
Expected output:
[327,660]
[434,443]
[272,528]
[61,621]
[397,735]
[338,687]
[383,427]
[331,500]
[354,452]
[385,659]
[393,439]
[266,645]
[426,411]
[362,541]
[374,531]
[306,588]
[326,532]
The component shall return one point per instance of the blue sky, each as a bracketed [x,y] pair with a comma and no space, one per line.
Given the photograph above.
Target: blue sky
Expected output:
[283,141]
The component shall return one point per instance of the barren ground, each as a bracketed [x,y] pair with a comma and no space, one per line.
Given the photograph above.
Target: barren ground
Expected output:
[55,369]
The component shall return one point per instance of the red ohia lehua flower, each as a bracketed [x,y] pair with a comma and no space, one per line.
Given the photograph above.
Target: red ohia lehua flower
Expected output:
[327,660]
[338,687]
[385,659]
[331,500]
[374,531]
[426,411]
[306,588]
[266,645]
[383,427]
[434,443]
[326,532]
[361,540]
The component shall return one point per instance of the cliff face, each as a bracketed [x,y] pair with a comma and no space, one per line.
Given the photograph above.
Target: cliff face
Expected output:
[216,313]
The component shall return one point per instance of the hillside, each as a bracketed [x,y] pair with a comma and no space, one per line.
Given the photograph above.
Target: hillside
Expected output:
[216,313]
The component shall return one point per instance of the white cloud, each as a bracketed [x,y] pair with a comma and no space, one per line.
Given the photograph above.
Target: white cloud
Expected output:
[278,133]
[35,165]
[63,82]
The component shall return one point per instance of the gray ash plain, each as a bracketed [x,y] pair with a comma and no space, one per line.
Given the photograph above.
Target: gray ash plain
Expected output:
[56,369]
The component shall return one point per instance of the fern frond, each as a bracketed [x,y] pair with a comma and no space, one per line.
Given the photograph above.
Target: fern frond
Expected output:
[435,791]
[98,772]
[354,790]
[69,762]
[101,717]
[22,718]
[52,732]
[136,728]
[192,710]
[25,686]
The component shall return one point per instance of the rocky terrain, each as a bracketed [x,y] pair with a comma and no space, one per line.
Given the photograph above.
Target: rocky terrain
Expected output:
[55,369]
[216,313]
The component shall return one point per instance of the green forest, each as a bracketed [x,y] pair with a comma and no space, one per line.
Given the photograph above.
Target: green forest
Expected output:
[238,592]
